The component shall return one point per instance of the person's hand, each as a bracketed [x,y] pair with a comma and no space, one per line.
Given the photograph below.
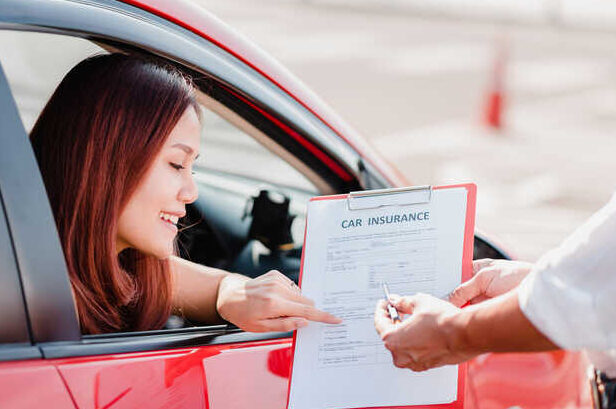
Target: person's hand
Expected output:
[271,302]
[491,278]
[424,339]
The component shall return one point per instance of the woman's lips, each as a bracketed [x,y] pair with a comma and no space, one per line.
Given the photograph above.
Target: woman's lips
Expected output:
[170,225]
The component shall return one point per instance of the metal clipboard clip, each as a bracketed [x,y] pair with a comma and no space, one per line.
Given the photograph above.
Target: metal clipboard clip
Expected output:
[372,199]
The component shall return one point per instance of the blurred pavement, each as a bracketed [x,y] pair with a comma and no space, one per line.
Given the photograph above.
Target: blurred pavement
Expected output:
[414,84]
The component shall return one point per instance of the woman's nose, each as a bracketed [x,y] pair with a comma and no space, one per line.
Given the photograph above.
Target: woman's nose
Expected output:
[189,191]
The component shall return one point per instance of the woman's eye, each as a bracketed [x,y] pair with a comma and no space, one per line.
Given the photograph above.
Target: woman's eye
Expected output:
[176,166]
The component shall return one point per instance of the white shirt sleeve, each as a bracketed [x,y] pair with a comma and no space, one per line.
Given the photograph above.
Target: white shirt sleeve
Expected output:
[570,295]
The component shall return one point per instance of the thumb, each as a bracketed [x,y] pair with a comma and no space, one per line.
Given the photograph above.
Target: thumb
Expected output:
[466,292]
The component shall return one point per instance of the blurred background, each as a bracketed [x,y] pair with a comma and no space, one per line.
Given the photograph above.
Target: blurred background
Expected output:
[516,96]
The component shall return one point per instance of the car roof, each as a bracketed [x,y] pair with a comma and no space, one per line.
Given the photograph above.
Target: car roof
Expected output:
[203,23]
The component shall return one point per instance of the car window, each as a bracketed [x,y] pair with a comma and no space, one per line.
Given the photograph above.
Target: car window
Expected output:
[225,148]
[35,63]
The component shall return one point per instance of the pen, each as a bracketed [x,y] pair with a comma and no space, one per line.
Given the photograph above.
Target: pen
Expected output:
[393,313]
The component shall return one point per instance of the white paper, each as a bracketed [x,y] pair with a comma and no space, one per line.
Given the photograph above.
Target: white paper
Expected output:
[346,259]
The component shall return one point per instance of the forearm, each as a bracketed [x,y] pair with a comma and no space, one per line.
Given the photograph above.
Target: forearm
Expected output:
[196,290]
[496,325]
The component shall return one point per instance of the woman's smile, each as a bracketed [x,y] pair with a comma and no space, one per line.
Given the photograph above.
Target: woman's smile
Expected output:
[170,220]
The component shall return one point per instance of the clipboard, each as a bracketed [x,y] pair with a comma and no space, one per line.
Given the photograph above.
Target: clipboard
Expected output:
[358,203]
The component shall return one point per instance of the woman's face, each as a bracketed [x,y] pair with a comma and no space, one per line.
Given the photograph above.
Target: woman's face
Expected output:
[148,223]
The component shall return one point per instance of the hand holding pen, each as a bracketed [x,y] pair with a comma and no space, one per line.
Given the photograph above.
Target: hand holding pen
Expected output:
[419,342]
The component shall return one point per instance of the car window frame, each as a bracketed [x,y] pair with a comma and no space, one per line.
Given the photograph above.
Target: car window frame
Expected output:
[27,226]
[14,328]
[15,339]
[97,21]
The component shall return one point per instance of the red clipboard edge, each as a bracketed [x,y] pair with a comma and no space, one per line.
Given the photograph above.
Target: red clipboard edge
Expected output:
[467,273]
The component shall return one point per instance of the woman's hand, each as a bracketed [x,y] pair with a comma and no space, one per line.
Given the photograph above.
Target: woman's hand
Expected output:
[490,279]
[271,302]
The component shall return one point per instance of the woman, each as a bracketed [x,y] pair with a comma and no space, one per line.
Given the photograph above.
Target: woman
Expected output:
[116,144]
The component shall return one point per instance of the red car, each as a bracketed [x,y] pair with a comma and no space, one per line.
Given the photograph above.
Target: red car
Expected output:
[264,132]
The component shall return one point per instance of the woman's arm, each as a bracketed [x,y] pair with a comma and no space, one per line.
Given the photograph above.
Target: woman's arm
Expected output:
[195,290]
[271,302]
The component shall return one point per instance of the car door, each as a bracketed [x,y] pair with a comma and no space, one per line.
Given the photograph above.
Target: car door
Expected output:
[22,368]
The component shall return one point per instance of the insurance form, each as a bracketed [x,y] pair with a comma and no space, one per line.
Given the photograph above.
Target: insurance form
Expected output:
[414,240]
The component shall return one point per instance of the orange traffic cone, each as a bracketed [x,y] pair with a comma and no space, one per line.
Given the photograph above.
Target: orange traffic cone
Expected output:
[495,101]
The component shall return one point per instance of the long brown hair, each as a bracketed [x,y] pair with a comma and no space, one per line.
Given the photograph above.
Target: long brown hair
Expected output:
[94,141]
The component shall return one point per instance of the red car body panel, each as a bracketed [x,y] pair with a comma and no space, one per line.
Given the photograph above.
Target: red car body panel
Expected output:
[248,375]
[538,380]
[32,384]
[256,374]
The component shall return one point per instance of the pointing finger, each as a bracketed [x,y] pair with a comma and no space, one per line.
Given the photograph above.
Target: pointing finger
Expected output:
[283,324]
[294,309]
